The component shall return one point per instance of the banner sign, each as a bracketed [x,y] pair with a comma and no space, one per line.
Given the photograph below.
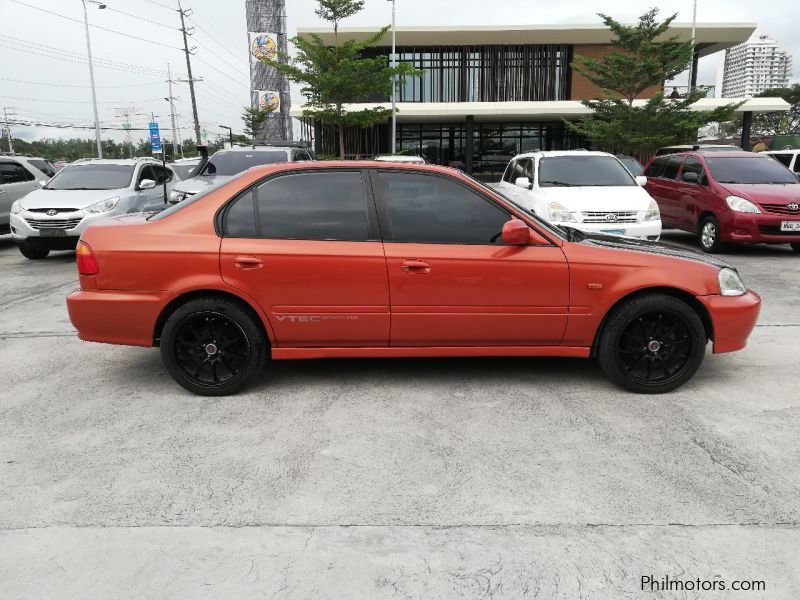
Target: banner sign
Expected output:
[262,45]
[155,138]
[270,100]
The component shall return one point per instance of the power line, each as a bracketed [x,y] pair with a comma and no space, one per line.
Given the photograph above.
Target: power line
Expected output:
[209,65]
[69,85]
[127,14]
[159,4]
[60,101]
[213,39]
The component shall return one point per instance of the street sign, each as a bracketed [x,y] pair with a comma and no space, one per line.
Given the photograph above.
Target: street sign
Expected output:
[155,138]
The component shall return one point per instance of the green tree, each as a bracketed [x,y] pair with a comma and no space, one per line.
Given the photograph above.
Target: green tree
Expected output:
[641,57]
[254,119]
[332,77]
[780,122]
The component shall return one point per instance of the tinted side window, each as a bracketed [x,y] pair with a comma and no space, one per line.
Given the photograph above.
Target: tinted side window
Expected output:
[671,170]
[313,206]
[13,173]
[796,167]
[509,176]
[784,159]
[147,172]
[240,219]
[162,174]
[656,168]
[692,165]
[437,210]
[44,167]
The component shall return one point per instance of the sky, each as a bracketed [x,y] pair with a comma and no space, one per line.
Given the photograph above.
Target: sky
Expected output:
[48,81]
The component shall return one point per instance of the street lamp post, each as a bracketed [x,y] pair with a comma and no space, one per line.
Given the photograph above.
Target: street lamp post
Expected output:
[91,74]
[230,133]
[692,74]
[394,83]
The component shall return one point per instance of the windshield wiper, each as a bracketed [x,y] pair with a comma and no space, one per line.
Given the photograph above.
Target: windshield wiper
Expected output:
[557,183]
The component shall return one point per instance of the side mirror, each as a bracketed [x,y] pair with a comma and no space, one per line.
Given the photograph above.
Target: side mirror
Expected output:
[147,184]
[691,177]
[516,233]
[641,180]
[41,183]
[523,182]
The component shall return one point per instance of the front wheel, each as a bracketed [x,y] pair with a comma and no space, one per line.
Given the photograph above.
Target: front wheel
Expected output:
[709,235]
[33,253]
[213,346]
[795,246]
[652,344]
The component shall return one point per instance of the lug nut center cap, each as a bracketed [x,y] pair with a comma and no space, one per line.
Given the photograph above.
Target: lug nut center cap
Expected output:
[211,349]
[654,346]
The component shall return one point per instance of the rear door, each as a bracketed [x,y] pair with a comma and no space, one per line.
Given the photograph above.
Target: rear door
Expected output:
[305,245]
[668,193]
[15,182]
[693,196]
[453,281]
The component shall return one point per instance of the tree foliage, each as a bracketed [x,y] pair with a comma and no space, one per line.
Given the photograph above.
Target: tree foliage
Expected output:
[332,77]
[640,58]
[254,119]
[779,123]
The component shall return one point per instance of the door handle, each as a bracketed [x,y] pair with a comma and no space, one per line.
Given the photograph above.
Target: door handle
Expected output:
[247,262]
[416,266]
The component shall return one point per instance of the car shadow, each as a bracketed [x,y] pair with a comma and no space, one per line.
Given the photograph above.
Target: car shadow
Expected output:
[689,240]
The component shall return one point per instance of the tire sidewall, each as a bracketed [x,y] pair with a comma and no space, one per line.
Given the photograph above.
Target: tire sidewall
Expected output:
[717,245]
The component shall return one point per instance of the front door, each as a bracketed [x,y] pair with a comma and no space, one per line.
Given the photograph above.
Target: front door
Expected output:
[305,246]
[453,281]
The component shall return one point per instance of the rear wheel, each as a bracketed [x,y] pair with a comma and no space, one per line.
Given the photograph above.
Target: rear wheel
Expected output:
[652,344]
[213,346]
[709,235]
[33,253]
[795,246]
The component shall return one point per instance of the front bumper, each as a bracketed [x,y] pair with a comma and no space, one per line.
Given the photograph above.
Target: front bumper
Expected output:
[733,319]
[764,228]
[116,317]
[58,232]
[646,230]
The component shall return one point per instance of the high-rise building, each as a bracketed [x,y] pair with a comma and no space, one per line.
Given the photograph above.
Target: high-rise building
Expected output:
[754,67]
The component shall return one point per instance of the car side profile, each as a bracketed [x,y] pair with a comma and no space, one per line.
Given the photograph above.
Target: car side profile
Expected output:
[727,197]
[18,177]
[370,259]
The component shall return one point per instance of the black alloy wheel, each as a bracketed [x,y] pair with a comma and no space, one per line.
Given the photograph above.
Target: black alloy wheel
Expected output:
[213,346]
[652,344]
[795,246]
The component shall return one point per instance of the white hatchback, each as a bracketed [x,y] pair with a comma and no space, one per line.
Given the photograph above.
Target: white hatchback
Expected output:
[590,191]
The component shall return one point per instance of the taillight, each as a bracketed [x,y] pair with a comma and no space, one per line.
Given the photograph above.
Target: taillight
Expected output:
[87,263]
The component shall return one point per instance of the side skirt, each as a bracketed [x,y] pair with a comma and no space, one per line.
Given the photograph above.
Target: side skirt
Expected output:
[432,351]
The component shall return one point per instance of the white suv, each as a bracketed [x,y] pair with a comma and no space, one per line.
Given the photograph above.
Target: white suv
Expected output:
[590,191]
[18,177]
[53,217]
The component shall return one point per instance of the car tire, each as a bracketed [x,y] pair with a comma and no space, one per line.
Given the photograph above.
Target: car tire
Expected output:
[709,235]
[652,344]
[213,346]
[33,253]
[795,246]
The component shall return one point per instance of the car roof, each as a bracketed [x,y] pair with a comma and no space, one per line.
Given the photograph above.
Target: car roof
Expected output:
[713,154]
[260,149]
[547,153]
[116,161]
[791,151]
[331,165]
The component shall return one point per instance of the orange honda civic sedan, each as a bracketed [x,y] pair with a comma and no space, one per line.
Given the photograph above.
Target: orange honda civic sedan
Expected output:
[373,259]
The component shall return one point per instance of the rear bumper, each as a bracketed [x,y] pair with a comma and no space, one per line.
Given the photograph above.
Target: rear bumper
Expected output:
[758,229]
[733,319]
[116,317]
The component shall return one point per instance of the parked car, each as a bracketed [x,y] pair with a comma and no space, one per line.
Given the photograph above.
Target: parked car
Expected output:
[634,166]
[418,160]
[85,192]
[590,191]
[727,197]
[18,177]
[375,259]
[185,168]
[704,147]
[788,158]
[227,163]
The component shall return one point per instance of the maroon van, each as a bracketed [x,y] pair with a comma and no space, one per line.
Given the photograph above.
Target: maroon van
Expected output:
[727,197]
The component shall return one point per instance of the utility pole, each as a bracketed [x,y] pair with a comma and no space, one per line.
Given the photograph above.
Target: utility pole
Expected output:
[394,83]
[127,112]
[172,116]
[186,50]
[8,129]
[694,37]
[91,76]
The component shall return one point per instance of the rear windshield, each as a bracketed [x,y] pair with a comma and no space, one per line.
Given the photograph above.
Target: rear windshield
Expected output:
[232,163]
[92,177]
[189,201]
[184,171]
[570,171]
[748,170]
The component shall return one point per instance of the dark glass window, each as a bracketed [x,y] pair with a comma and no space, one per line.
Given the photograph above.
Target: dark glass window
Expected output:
[98,176]
[44,166]
[578,171]
[184,171]
[233,162]
[784,159]
[692,165]
[671,171]
[313,206]
[749,170]
[436,210]
[656,168]
[14,173]
[240,219]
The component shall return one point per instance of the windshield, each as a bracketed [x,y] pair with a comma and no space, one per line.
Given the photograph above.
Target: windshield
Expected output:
[749,170]
[184,171]
[189,201]
[232,163]
[92,177]
[574,171]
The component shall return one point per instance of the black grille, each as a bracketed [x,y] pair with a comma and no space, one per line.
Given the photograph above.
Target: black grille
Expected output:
[780,209]
[776,230]
[53,223]
[58,210]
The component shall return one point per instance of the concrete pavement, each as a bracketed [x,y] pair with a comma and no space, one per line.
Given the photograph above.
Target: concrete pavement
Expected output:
[501,478]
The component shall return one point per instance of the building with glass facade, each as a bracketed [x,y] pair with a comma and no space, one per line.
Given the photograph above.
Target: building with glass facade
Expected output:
[489,93]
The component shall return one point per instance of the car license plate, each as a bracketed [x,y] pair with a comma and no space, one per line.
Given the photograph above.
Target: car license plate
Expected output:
[52,232]
[790,226]
[614,231]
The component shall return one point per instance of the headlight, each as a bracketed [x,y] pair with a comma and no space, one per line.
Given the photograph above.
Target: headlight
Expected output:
[102,206]
[559,212]
[730,284]
[741,205]
[16,208]
[652,214]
